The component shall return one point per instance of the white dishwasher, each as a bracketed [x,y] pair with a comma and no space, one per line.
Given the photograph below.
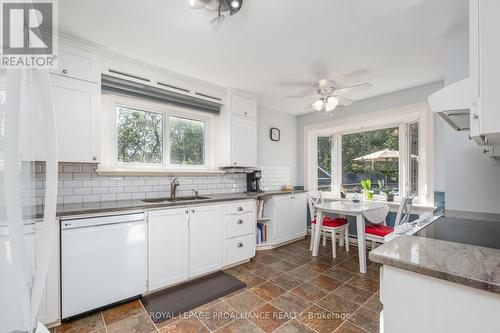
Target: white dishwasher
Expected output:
[103,261]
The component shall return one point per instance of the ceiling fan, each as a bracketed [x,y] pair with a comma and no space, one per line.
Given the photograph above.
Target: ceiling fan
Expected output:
[220,6]
[327,95]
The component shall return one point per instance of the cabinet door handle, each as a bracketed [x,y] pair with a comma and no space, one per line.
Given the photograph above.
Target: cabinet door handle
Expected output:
[65,71]
[192,211]
[240,244]
[246,113]
[187,211]
[240,209]
[94,158]
[240,221]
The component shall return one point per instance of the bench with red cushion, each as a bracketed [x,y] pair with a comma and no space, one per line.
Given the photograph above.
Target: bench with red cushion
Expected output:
[378,230]
[332,222]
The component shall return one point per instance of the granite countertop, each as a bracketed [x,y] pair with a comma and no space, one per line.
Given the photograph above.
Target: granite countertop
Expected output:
[130,205]
[469,265]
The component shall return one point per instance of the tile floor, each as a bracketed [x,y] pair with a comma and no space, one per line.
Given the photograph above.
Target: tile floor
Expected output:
[287,291]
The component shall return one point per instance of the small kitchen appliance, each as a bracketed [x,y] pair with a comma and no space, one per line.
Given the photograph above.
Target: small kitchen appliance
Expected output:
[253,181]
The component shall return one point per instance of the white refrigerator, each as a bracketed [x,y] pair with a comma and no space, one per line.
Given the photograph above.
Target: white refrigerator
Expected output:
[25,95]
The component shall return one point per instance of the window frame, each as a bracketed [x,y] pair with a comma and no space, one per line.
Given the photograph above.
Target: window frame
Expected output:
[110,131]
[338,153]
[398,117]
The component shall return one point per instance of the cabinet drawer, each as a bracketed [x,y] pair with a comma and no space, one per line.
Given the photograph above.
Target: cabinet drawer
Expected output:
[237,225]
[239,249]
[240,207]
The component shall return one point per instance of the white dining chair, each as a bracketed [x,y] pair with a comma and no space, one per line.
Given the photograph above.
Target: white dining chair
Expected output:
[377,231]
[333,226]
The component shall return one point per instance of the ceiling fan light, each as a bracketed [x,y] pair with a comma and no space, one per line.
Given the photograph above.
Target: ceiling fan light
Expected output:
[331,103]
[318,105]
[196,4]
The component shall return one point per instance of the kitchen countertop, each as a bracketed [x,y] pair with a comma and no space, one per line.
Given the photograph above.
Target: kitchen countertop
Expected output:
[469,265]
[64,210]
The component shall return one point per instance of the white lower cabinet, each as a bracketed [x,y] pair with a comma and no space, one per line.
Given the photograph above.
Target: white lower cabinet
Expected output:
[184,243]
[282,218]
[168,241]
[299,215]
[240,232]
[289,217]
[239,249]
[205,239]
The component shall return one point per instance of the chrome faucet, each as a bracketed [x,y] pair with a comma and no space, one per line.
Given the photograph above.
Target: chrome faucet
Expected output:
[196,195]
[173,187]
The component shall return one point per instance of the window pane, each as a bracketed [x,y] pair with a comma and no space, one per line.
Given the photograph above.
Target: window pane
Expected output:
[139,136]
[413,135]
[187,141]
[373,155]
[324,163]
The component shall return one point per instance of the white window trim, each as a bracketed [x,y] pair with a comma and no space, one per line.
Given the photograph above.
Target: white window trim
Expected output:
[109,134]
[400,116]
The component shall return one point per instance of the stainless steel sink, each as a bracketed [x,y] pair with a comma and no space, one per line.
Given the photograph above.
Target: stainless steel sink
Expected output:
[178,199]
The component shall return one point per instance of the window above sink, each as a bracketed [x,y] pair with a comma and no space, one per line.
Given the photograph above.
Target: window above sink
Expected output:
[145,136]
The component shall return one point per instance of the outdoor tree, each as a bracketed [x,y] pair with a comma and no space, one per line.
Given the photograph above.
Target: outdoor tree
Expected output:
[140,138]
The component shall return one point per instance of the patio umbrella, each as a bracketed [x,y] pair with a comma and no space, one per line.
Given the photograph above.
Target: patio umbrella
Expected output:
[383,155]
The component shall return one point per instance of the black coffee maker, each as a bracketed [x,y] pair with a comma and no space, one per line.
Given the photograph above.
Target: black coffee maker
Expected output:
[253,181]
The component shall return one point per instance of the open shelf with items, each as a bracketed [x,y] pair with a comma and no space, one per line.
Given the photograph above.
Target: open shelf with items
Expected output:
[281,219]
[262,233]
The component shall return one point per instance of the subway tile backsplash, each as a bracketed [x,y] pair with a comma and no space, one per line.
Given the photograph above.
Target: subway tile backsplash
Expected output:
[274,177]
[78,182]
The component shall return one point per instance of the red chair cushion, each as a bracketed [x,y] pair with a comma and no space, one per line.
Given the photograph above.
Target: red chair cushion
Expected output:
[378,230]
[332,222]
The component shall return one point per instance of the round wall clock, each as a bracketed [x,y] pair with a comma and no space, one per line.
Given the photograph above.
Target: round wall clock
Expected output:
[275,134]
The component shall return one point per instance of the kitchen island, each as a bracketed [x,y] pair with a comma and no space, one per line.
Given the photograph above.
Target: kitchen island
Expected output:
[428,284]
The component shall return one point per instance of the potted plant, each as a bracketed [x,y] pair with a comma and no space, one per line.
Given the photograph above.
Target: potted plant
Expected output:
[343,192]
[367,185]
[389,194]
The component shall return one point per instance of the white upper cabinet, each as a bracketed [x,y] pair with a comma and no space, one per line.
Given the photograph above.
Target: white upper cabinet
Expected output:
[485,70]
[243,141]
[76,91]
[237,134]
[78,63]
[243,106]
[77,119]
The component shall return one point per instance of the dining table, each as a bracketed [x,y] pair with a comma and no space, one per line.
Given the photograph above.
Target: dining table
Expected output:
[346,208]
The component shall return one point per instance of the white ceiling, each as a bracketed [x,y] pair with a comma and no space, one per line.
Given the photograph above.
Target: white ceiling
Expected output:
[273,47]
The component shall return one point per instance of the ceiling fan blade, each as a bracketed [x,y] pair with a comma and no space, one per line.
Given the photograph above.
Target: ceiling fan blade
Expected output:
[344,101]
[301,95]
[305,93]
[293,84]
[350,89]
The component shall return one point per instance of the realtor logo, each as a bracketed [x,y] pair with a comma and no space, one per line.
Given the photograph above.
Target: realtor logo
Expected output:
[28,33]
